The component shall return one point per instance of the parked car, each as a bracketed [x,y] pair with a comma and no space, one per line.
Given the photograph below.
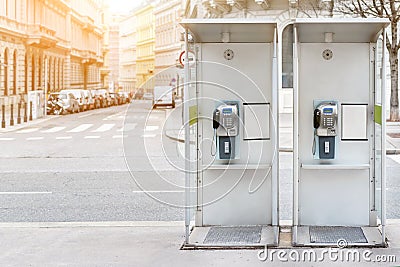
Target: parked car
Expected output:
[104,97]
[96,99]
[148,96]
[164,96]
[124,97]
[80,96]
[89,99]
[69,102]
[115,99]
[139,94]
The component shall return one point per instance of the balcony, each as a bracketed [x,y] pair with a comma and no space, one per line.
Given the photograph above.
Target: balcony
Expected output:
[89,57]
[41,36]
[105,71]
[88,23]
[14,27]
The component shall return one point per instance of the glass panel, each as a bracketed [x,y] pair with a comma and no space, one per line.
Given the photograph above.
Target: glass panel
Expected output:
[191,106]
[287,57]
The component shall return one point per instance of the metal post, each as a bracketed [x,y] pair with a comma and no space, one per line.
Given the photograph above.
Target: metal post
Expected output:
[19,114]
[187,140]
[30,110]
[12,115]
[46,70]
[383,140]
[3,116]
[275,138]
[25,112]
[295,136]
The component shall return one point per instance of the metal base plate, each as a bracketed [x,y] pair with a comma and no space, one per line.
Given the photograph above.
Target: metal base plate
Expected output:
[332,234]
[214,237]
[234,235]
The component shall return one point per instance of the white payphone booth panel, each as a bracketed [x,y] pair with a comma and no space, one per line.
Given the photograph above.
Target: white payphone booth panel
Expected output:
[334,132]
[237,163]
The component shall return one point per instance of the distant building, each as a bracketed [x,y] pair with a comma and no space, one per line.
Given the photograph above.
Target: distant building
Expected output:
[127,59]
[168,44]
[145,33]
[49,44]
[114,51]
[86,36]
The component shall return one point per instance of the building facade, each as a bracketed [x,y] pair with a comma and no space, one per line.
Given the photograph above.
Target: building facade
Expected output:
[127,70]
[145,48]
[49,45]
[86,36]
[168,44]
[114,51]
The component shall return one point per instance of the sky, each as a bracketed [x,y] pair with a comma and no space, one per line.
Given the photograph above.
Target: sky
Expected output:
[123,6]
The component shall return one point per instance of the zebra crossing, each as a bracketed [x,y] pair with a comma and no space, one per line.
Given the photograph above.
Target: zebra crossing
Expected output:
[84,131]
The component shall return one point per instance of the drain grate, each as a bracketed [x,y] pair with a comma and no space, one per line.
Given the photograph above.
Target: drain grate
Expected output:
[332,234]
[234,235]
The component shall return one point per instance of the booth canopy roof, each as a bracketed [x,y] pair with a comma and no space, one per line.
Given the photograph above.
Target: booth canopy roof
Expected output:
[241,31]
[344,30]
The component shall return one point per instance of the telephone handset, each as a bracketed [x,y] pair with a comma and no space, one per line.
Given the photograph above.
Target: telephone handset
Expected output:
[317,118]
[216,116]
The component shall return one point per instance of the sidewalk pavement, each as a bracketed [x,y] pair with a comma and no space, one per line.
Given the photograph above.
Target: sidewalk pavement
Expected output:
[134,244]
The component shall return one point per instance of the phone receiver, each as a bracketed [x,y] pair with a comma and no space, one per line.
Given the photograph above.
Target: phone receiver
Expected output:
[317,118]
[216,119]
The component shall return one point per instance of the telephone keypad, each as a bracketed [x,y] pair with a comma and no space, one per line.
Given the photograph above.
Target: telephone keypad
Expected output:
[328,121]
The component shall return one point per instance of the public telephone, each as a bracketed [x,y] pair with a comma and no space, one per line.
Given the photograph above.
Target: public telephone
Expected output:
[226,127]
[325,127]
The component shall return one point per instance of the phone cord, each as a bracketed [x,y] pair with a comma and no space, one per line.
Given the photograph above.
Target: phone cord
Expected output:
[212,144]
[314,142]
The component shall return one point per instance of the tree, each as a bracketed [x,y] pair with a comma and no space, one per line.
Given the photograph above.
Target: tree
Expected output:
[382,9]
[315,8]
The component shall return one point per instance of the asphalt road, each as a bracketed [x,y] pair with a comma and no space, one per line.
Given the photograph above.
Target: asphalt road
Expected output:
[73,168]
[113,164]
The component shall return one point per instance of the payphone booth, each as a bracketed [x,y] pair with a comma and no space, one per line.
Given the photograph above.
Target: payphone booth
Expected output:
[339,132]
[231,108]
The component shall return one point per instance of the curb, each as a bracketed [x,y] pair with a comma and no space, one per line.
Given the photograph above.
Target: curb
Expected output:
[172,137]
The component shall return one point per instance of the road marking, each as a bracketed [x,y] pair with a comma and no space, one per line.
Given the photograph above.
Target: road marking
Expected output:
[149,135]
[119,136]
[104,128]
[63,137]
[159,191]
[117,115]
[30,130]
[127,127]
[7,139]
[25,193]
[86,115]
[54,129]
[92,137]
[34,138]
[80,128]
[150,128]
